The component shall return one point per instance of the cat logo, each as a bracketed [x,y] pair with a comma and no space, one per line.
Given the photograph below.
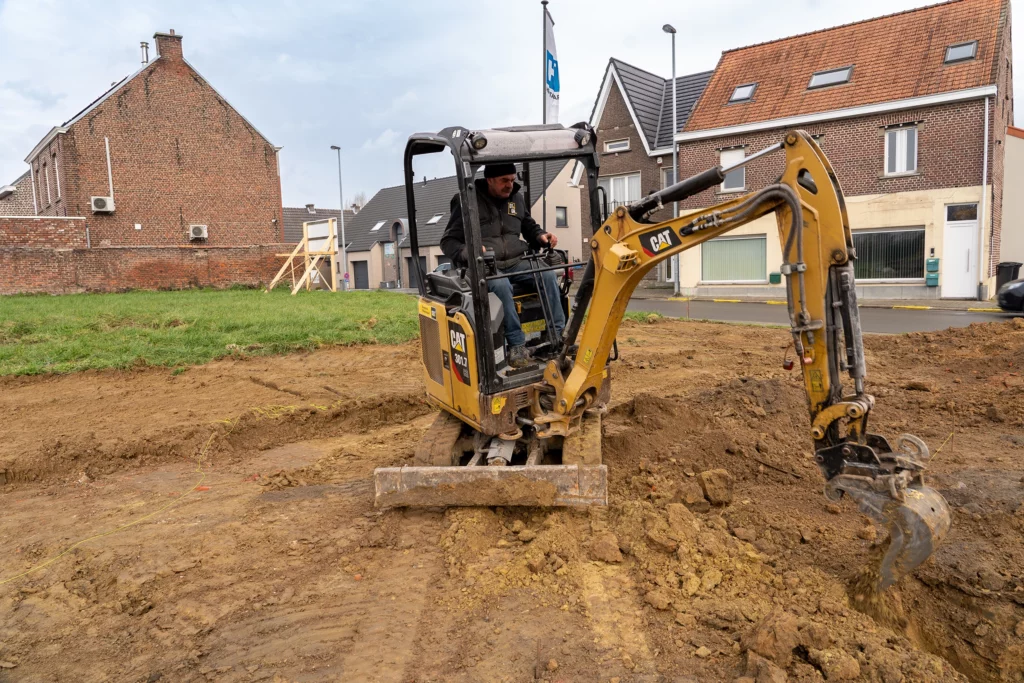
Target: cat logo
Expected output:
[511,208]
[657,241]
[458,341]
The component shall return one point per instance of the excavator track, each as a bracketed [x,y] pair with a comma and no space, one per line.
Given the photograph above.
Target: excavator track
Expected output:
[437,447]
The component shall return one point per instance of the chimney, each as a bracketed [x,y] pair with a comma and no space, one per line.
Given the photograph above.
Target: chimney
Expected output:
[145,52]
[168,45]
[310,208]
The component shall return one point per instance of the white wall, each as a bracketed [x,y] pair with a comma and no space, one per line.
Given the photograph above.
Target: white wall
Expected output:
[561,192]
[1012,245]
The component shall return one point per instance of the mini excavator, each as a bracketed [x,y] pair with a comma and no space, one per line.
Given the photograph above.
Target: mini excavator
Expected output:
[531,436]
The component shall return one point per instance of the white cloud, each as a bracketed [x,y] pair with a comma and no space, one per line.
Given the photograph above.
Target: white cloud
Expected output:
[386,140]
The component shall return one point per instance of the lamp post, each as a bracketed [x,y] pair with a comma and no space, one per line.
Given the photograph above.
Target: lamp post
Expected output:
[668,28]
[341,197]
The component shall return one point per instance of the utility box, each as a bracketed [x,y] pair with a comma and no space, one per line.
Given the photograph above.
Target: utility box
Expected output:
[931,276]
[775,278]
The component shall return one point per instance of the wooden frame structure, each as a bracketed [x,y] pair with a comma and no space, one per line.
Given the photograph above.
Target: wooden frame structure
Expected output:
[308,254]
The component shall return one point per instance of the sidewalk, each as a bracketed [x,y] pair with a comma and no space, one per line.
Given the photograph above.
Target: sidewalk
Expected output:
[909,304]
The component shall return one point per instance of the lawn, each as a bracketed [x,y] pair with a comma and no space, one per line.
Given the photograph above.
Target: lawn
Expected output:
[41,334]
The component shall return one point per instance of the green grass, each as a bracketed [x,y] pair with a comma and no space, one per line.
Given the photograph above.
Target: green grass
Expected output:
[40,334]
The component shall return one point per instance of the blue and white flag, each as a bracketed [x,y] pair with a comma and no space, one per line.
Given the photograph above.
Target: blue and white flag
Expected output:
[551,85]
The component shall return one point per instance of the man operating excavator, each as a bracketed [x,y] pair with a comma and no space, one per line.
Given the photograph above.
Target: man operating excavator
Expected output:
[504,216]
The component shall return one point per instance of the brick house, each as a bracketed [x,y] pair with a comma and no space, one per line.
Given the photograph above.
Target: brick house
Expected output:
[16,198]
[165,152]
[633,120]
[912,110]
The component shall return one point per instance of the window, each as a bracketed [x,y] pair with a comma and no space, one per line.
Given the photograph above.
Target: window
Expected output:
[961,52]
[378,226]
[961,212]
[435,218]
[734,259]
[735,180]
[561,217]
[668,177]
[889,254]
[669,273]
[743,93]
[823,79]
[901,150]
[46,176]
[620,189]
[617,145]
[56,174]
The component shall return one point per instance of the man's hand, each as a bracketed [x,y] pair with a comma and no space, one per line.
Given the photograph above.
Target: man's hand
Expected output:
[548,239]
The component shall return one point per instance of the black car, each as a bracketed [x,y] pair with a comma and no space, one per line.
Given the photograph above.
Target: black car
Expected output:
[1011,296]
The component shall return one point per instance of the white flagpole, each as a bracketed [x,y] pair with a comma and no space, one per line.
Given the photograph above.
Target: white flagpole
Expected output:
[544,110]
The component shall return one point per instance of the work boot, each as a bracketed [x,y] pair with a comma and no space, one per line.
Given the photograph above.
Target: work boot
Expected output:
[519,356]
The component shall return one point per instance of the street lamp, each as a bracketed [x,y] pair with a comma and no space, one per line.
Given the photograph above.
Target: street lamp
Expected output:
[668,28]
[341,197]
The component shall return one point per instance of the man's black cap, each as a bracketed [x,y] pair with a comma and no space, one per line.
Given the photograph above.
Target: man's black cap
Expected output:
[496,170]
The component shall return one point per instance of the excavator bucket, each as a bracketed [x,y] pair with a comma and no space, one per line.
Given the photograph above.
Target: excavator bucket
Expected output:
[916,528]
[527,485]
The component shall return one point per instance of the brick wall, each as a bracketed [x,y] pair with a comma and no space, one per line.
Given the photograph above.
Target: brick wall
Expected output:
[51,233]
[180,155]
[19,203]
[113,269]
[617,124]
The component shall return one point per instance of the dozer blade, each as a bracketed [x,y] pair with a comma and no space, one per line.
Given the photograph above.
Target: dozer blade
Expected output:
[529,485]
[916,528]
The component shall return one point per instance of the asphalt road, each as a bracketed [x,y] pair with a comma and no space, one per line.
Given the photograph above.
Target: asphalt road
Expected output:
[878,320]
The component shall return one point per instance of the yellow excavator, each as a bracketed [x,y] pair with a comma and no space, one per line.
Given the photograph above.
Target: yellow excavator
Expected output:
[531,435]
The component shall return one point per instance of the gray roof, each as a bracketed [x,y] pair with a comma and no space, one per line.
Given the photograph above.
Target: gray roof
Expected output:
[432,197]
[294,217]
[650,96]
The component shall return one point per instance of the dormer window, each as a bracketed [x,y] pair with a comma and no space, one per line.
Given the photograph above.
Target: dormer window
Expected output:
[961,52]
[743,93]
[823,79]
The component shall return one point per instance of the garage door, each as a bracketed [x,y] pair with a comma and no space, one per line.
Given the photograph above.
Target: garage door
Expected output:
[362,274]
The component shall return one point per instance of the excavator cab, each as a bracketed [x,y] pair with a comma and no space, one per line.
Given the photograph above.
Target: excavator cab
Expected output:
[481,449]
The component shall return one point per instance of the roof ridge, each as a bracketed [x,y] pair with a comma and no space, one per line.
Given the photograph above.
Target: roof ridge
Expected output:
[634,66]
[696,73]
[851,23]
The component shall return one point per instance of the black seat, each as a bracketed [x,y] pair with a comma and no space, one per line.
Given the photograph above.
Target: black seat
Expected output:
[443,285]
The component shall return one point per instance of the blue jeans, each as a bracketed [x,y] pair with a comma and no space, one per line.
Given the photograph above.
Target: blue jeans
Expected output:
[503,289]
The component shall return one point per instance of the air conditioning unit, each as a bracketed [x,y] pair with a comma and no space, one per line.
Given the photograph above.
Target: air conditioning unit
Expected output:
[102,204]
[197,232]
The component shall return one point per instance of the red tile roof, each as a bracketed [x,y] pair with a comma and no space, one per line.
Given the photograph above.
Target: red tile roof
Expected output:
[893,57]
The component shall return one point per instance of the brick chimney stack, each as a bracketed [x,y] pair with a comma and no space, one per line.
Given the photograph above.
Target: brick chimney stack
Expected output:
[168,45]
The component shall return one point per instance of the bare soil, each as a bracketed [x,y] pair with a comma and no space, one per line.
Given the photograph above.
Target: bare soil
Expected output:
[271,563]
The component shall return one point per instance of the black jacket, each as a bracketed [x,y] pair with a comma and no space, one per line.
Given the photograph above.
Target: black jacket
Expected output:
[502,221]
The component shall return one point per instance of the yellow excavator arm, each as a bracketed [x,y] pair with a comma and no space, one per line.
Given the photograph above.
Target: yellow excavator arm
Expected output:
[818,259]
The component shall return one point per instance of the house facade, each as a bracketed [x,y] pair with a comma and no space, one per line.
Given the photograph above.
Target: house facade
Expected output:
[172,185]
[1012,248]
[912,111]
[378,247]
[16,198]
[633,120]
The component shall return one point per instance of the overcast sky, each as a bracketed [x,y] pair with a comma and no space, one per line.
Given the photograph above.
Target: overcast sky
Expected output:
[364,75]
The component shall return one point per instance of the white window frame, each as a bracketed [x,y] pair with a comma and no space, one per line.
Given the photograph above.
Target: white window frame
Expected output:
[46,178]
[974,52]
[669,262]
[828,72]
[893,280]
[56,174]
[758,236]
[626,177]
[616,145]
[742,170]
[665,172]
[901,151]
[378,226]
[733,99]
[436,218]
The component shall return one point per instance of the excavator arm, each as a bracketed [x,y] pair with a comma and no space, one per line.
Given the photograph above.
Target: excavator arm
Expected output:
[818,256]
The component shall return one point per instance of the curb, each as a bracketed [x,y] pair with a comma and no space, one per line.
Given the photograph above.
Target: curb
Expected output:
[862,304]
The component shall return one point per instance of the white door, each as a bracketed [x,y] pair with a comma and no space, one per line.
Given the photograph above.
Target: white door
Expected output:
[960,252]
